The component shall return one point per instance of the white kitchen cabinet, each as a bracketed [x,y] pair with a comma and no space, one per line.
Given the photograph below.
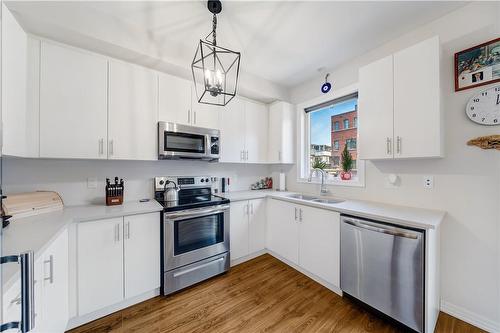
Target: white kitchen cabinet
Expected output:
[174,99]
[133,112]
[319,243]
[205,115]
[232,128]
[399,96]
[417,101]
[248,227]
[256,132]
[281,133]
[238,230]
[141,253]
[52,312]
[20,73]
[73,103]
[283,229]
[257,225]
[376,110]
[100,264]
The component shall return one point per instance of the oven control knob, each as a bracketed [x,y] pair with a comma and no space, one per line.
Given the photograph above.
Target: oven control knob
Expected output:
[207,180]
[202,180]
[161,182]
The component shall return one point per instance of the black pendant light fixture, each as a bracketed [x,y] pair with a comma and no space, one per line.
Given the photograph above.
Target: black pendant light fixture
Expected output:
[215,69]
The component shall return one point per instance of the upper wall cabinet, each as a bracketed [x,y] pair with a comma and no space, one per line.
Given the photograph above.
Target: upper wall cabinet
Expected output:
[19,93]
[133,112]
[73,103]
[178,104]
[174,99]
[281,133]
[244,132]
[398,97]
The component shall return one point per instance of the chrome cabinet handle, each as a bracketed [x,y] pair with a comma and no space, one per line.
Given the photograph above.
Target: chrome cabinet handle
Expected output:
[398,145]
[300,214]
[16,300]
[388,143]
[51,269]
[127,231]
[101,146]
[246,157]
[194,117]
[251,205]
[279,155]
[242,155]
[111,150]
[295,213]
[117,233]
[189,116]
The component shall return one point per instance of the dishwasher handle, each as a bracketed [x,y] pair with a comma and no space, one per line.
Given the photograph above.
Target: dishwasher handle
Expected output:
[393,231]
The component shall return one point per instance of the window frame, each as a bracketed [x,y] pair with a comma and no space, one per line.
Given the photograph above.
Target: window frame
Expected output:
[304,144]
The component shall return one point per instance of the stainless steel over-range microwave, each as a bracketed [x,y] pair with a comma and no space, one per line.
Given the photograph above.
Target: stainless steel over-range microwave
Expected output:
[177,141]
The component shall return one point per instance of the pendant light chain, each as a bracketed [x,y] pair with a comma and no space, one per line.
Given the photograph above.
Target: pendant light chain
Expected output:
[214,27]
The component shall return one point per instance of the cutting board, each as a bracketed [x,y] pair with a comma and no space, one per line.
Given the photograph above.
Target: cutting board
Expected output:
[31,203]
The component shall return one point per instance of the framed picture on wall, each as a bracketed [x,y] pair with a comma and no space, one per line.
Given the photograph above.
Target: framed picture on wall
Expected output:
[478,65]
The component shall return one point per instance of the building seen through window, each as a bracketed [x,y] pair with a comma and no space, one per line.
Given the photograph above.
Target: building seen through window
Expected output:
[328,138]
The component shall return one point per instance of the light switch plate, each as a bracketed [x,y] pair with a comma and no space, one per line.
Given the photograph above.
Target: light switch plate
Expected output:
[91,182]
[428,182]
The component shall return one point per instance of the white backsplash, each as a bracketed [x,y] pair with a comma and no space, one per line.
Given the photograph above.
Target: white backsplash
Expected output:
[69,177]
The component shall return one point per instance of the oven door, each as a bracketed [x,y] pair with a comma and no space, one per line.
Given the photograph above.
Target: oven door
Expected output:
[195,234]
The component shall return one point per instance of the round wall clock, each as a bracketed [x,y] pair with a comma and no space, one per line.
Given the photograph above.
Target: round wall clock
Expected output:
[484,108]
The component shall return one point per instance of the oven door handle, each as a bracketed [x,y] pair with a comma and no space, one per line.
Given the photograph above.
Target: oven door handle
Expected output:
[194,213]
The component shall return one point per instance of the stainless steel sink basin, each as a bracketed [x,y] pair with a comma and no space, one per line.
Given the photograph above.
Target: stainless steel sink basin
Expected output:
[315,199]
[302,197]
[328,201]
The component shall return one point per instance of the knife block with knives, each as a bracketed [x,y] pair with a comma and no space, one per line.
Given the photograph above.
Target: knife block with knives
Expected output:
[114,192]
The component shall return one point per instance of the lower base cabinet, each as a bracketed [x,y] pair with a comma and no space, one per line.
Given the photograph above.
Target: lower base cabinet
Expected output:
[117,258]
[247,227]
[306,236]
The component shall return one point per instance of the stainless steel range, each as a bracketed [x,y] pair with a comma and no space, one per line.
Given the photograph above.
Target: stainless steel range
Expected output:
[195,231]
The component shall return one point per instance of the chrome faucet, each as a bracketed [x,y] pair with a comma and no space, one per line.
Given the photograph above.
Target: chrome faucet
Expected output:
[323,190]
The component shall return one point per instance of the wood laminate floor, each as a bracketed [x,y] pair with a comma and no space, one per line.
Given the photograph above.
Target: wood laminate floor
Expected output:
[261,295]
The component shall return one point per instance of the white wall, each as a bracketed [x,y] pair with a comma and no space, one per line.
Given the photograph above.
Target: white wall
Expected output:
[69,177]
[467,180]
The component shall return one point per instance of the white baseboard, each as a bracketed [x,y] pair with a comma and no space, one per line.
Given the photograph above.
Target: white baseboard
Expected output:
[78,321]
[248,257]
[470,317]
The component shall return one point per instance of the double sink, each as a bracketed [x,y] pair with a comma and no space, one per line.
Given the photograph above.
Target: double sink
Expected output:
[315,199]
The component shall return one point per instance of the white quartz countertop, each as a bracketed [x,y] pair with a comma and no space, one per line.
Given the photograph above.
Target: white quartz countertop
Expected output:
[414,217]
[36,233]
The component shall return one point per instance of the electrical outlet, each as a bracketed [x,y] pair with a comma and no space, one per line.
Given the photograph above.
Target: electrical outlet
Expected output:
[91,182]
[428,182]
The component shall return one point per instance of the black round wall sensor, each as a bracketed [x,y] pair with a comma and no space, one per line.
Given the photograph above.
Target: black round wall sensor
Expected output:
[214,6]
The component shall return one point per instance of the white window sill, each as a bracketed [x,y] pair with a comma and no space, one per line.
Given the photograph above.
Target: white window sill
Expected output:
[347,183]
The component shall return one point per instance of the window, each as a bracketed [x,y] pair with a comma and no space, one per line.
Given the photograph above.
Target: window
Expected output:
[336,145]
[324,140]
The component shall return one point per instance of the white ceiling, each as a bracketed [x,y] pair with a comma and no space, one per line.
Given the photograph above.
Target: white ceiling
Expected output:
[282,42]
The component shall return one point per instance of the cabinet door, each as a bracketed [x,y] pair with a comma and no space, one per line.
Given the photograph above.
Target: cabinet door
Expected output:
[256,132]
[281,133]
[174,99]
[319,243]
[54,287]
[232,127]
[205,115]
[238,230]
[375,112]
[257,225]
[141,253]
[417,113]
[100,264]
[283,229]
[133,114]
[73,103]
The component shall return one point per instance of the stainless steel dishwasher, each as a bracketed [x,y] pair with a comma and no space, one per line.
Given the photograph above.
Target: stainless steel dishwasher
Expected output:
[383,266]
